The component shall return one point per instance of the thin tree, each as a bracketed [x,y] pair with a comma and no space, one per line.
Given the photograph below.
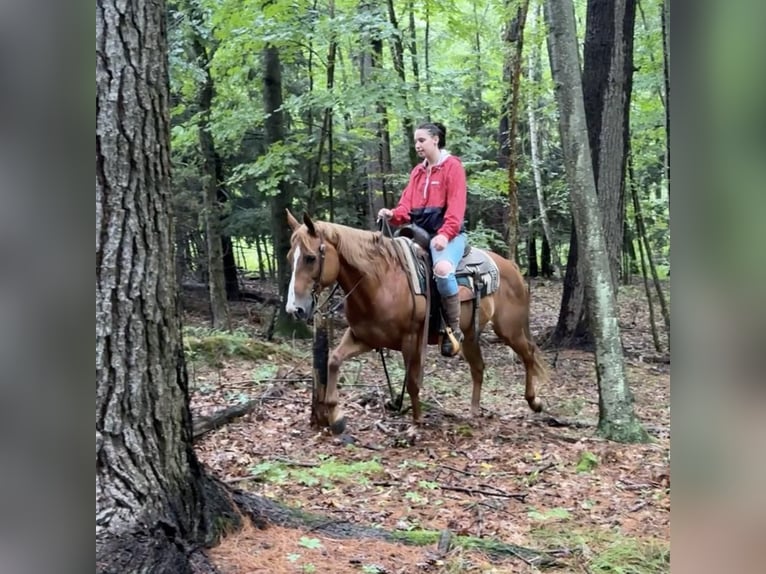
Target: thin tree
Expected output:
[153,501]
[397,55]
[535,143]
[644,271]
[219,308]
[617,419]
[514,36]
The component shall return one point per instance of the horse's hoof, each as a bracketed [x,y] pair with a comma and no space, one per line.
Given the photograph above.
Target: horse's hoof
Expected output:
[412,435]
[536,405]
[338,426]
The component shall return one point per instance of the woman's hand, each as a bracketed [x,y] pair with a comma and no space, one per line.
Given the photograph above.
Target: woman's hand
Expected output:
[385,214]
[439,242]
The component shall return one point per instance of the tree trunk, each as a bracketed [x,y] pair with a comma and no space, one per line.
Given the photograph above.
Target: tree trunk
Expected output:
[534,270]
[275,133]
[666,73]
[515,36]
[377,150]
[545,259]
[397,55]
[617,420]
[535,145]
[154,504]
[607,86]
[219,309]
[414,48]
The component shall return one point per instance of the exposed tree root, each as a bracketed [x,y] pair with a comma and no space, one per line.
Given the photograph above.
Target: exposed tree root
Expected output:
[264,511]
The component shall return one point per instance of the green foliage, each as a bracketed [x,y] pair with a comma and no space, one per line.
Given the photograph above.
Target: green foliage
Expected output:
[311,543]
[605,551]
[484,237]
[465,87]
[552,514]
[588,461]
[330,470]
[212,347]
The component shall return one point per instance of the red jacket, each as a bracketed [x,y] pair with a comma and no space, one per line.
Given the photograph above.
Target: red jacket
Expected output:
[436,203]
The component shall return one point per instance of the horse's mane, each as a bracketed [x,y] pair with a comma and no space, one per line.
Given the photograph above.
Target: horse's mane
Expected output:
[370,252]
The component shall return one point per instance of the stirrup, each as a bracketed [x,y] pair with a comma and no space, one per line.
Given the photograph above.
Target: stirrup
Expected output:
[451,342]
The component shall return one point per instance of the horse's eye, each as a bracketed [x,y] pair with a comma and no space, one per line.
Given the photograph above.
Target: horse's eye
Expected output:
[309,259]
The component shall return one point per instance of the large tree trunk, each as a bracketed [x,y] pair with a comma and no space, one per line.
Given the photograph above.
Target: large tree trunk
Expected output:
[607,86]
[275,133]
[153,502]
[617,420]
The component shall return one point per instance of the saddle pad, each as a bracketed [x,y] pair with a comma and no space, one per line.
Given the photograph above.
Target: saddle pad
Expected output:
[478,264]
[413,264]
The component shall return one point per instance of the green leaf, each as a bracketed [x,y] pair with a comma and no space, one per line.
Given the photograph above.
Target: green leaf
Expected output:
[312,543]
[552,514]
[588,461]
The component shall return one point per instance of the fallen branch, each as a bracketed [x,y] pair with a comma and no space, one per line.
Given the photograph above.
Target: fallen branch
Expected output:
[466,472]
[264,511]
[468,490]
[552,421]
[203,425]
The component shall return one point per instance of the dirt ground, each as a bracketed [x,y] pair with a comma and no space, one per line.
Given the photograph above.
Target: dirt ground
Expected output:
[541,481]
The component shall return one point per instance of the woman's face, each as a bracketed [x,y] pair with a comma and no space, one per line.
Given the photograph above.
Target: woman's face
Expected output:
[426,145]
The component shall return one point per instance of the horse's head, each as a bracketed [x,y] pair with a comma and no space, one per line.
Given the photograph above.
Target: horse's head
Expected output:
[314,264]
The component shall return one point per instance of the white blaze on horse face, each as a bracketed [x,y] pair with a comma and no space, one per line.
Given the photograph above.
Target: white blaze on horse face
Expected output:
[290,307]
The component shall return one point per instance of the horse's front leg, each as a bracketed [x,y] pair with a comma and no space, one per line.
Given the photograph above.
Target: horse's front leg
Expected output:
[348,347]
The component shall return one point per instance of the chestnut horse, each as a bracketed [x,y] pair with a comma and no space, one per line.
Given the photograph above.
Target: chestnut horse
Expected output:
[379,308]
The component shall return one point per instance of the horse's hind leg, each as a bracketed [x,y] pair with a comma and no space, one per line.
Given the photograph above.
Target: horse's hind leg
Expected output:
[412,355]
[520,340]
[472,354]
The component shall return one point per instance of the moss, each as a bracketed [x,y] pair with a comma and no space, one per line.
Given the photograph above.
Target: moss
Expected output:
[490,546]
[627,432]
[417,537]
[607,551]
[213,347]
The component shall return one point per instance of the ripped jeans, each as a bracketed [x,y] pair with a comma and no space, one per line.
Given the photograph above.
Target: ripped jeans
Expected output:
[447,285]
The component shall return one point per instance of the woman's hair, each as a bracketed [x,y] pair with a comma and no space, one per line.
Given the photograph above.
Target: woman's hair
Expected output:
[436,129]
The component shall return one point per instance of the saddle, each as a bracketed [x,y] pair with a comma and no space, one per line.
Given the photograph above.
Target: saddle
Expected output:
[477,275]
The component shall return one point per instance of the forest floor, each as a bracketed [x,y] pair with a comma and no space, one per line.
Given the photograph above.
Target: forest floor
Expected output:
[541,481]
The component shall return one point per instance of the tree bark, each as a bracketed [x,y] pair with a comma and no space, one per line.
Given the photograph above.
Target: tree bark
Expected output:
[535,145]
[515,36]
[154,504]
[275,133]
[666,73]
[607,86]
[617,420]
[379,151]
[219,309]
[397,55]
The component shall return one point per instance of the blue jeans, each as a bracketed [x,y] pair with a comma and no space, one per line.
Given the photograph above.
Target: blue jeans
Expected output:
[453,253]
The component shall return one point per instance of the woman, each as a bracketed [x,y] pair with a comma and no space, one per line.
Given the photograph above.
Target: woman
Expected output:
[435,199]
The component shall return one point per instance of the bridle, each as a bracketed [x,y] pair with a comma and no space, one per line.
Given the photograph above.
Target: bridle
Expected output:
[318,283]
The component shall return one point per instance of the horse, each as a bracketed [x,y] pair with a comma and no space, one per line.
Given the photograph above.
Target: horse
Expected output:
[382,311]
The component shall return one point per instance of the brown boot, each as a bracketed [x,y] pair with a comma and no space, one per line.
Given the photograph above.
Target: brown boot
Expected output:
[454,336]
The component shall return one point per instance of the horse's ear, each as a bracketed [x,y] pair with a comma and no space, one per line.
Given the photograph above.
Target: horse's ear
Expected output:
[309,225]
[294,224]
